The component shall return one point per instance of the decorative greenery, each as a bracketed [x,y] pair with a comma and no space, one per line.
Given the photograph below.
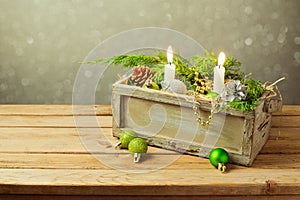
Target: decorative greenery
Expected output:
[202,68]
[254,92]
[205,65]
[156,63]
[232,69]
[126,60]
[194,72]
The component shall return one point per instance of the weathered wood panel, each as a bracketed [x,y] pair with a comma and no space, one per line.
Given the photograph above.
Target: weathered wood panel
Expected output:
[167,120]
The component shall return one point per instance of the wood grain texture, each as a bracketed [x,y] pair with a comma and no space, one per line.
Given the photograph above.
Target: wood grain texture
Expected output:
[88,161]
[55,121]
[59,140]
[164,182]
[45,153]
[288,110]
[290,121]
[142,197]
[55,110]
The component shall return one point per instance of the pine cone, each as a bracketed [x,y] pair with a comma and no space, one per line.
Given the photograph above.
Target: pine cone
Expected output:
[140,75]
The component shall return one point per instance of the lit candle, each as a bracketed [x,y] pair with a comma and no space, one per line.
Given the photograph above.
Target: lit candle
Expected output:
[169,68]
[219,74]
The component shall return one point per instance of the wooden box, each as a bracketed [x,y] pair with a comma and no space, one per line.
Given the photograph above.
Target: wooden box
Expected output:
[167,120]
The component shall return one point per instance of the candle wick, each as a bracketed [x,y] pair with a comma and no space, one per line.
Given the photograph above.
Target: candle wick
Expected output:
[170,63]
[219,66]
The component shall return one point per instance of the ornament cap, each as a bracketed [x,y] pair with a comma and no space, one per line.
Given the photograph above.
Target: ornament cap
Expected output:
[118,145]
[136,157]
[221,167]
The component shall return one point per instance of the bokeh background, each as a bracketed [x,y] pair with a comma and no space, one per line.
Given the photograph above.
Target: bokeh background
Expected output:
[41,41]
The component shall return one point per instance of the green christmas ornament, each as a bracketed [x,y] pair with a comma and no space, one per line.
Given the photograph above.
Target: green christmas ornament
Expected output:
[137,146]
[219,158]
[125,137]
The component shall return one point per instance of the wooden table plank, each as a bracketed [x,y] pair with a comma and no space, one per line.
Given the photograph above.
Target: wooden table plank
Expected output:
[160,182]
[67,110]
[55,140]
[103,121]
[152,197]
[281,146]
[40,140]
[51,140]
[288,110]
[286,121]
[54,110]
[13,115]
[277,161]
[56,121]
[88,161]
[284,134]
[289,117]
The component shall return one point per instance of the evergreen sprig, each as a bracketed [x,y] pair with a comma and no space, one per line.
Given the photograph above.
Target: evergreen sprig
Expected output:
[133,60]
[127,60]
[205,64]
[232,69]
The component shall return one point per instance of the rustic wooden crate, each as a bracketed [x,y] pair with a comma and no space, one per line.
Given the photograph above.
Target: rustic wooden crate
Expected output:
[167,120]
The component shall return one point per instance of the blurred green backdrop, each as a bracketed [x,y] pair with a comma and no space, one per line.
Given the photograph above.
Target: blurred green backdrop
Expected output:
[41,41]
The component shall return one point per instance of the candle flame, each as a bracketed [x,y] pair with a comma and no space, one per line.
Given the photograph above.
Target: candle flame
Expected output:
[170,55]
[221,58]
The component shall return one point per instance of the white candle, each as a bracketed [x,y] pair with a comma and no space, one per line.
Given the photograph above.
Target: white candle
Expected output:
[169,68]
[219,74]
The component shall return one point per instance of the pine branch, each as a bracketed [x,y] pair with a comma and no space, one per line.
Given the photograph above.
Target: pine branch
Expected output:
[127,60]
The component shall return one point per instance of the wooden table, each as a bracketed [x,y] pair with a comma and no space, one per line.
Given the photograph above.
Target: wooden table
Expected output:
[43,156]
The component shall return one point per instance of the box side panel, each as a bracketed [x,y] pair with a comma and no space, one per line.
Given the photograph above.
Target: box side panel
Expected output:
[261,130]
[116,111]
[177,124]
[248,137]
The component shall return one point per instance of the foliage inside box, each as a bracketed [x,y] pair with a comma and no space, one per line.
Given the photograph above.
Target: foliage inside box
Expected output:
[241,91]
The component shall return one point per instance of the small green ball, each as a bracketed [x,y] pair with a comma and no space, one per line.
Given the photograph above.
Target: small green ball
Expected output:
[217,156]
[138,145]
[125,137]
